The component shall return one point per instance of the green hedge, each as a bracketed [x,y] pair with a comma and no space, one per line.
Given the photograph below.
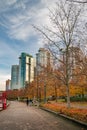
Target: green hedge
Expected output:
[73,99]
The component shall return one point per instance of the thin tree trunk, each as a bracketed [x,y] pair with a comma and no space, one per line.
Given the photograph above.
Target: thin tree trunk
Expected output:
[68,96]
[67,77]
[45,93]
[56,93]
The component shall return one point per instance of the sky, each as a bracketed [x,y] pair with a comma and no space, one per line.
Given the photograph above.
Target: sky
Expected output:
[16,32]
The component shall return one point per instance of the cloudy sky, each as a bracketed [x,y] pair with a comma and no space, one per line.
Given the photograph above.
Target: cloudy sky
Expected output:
[16,32]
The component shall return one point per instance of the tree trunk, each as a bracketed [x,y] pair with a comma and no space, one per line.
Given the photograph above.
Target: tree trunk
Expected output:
[67,77]
[45,93]
[68,96]
[56,93]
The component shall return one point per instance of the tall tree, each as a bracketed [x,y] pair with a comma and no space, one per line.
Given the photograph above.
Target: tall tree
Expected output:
[63,34]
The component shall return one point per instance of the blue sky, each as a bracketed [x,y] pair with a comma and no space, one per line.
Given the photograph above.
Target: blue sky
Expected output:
[16,32]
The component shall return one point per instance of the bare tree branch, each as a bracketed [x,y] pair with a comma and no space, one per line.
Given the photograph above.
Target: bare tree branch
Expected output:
[77,1]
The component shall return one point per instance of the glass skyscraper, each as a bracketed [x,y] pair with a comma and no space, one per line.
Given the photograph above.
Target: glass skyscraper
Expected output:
[14,76]
[26,69]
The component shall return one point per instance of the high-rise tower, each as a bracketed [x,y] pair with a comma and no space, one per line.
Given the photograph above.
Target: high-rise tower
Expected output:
[8,84]
[14,76]
[26,69]
[43,59]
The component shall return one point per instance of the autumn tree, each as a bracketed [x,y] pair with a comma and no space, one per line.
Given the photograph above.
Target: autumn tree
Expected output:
[81,79]
[61,36]
[12,94]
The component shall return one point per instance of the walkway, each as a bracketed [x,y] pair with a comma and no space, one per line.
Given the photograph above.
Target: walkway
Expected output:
[19,116]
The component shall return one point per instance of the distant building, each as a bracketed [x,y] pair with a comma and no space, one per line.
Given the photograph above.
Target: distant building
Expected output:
[14,77]
[73,60]
[43,59]
[8,84]
[75,56]
[26,69]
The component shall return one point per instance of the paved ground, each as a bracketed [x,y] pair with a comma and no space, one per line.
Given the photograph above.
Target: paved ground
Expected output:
[19,116]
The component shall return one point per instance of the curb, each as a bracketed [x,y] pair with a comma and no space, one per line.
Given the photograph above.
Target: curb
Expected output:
[74,120]
[65,116]
[53,112]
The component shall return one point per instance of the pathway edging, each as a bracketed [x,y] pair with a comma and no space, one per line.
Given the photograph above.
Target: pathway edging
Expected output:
[65,116]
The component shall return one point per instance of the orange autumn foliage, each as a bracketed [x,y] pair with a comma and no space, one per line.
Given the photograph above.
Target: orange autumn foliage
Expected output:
[79,114]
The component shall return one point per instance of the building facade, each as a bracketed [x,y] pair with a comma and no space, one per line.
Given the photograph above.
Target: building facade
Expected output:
[26,69]
[14,77]
[43,59]
[8,84]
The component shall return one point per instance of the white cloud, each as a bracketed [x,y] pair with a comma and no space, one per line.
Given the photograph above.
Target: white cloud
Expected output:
[21,33]
[19,23]
[9,2]
[4,4]
[40,41]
